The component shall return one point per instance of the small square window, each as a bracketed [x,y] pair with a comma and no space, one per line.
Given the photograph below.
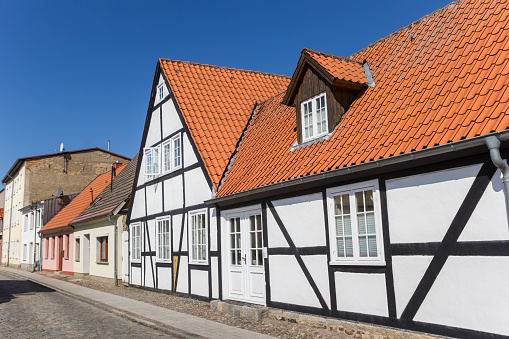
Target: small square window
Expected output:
[160,91]
[314,117]
[355,225]
[102,249]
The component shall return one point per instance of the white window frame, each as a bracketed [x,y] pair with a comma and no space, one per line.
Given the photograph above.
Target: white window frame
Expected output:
[155,154]
[314,117]
[133,227]
[77,249]
[356,259]
[160,92]
[170,156]
[158,241]
[192,244]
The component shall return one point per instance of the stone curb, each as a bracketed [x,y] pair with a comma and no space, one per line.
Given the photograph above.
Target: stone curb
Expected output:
[122,313]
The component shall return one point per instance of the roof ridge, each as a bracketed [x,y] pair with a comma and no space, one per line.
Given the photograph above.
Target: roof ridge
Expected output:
[411,25]
[271,98]
[225,68]
[331,56]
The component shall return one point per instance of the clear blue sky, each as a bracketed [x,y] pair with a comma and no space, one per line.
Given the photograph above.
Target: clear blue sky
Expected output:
[80,72]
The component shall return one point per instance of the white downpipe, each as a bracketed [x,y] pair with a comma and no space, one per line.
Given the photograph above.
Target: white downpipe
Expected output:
[493,144]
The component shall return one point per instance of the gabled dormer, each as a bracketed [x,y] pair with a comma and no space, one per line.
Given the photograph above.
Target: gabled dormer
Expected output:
[323,86]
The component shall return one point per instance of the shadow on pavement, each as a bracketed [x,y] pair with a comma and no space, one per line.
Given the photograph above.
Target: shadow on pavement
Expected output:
[10,289]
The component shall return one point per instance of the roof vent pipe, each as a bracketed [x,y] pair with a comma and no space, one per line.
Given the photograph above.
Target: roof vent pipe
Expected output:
[493,144]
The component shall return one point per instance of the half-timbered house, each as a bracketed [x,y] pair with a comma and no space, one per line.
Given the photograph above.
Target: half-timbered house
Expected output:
[371,188]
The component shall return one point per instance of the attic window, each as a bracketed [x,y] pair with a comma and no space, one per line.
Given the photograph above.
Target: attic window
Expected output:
[314,117]
[160,91]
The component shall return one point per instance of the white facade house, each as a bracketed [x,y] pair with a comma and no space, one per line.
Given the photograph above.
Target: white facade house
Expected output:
[372,188]
[32,216]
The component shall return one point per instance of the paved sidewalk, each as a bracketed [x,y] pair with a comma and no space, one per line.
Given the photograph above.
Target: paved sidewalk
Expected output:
[175,323]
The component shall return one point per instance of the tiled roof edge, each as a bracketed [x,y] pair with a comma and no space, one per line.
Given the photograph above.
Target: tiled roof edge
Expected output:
[224,68]
[411,25]
[309,51]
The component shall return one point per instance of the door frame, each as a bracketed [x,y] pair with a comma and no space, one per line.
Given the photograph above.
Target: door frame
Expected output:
[225,254]
[86,254]
[60,257]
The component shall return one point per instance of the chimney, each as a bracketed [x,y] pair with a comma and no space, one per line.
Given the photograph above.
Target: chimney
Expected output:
[91,195]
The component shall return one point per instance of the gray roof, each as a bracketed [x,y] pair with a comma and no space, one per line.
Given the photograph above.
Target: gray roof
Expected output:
[113,198]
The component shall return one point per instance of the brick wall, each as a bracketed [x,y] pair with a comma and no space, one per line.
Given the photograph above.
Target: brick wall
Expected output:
[70,171]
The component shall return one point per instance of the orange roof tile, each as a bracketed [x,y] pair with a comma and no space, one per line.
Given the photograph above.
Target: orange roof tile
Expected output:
[441,79]
[341,68]
[80,202]
[216,103]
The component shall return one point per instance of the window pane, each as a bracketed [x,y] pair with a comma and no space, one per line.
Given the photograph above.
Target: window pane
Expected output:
[363,247]
[370,221]
[359,198]
[339,226]
[259,241]
[232,225]
[253,239]
[349,247]
[361,221]
[348,225]
[259,222]
[341,247]
[232,257]
[373,251]
[252,223]
[253,257]
[369,201]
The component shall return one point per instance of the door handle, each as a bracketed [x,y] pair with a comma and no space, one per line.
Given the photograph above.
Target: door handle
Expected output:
[244,258]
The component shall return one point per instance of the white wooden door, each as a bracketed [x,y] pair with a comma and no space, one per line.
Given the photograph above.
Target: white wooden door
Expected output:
[246,280]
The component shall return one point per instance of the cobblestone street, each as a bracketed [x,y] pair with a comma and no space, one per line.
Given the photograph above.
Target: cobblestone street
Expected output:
[28,310]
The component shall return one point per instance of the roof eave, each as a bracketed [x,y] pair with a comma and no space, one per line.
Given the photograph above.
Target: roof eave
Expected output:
[427,153]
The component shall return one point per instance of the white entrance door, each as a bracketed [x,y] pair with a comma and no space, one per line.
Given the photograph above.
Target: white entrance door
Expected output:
[246,280]
[86,254]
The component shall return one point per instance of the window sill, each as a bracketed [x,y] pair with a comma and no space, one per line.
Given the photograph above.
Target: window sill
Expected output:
[102,263]
[307,142]
[357,263]
[203,263]
[164,260]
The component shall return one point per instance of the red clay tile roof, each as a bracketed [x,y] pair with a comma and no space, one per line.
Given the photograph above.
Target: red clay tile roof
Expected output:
[80,202]
[216,103]
[442,79]
[341,68]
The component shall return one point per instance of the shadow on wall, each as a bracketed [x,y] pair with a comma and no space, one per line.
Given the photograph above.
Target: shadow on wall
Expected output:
[10,289]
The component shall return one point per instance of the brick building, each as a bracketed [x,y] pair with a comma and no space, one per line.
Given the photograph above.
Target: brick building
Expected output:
[40,177]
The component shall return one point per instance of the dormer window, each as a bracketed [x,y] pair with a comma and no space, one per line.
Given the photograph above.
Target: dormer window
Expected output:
[314,117]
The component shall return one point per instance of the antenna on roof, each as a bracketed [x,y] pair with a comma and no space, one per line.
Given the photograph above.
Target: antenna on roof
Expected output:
[62,147]
[108,145]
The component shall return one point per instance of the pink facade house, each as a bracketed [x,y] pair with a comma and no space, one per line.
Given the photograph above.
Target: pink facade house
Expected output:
[58,235]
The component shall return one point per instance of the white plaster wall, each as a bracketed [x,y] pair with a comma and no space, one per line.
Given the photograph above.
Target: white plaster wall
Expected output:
[274,235]
[150,238]
[288,284]
[407,272]
[214,266]
[197,188]
[154,198]
[149,280]
[189,155]
[173,193]
[154,131]
[422,207]
[136,273]
[361,293]
[164,278]
[303,219]
[489,220]
[138,205]
[125,256]
[171,120]
[200,283]
[182,277]
[318,268]
[470,292]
